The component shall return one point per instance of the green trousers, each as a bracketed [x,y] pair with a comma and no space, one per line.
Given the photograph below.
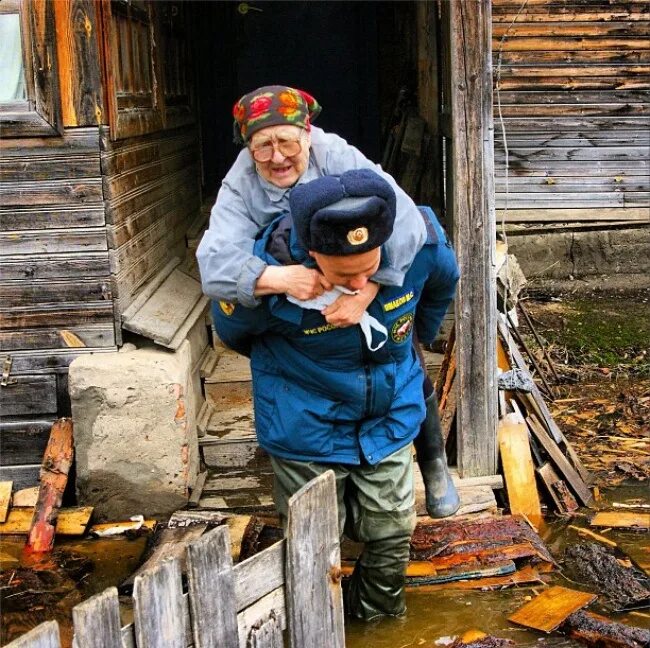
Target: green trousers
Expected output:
[376,506]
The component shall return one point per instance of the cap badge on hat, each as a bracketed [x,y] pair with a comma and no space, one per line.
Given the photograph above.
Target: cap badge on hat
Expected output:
[358,236]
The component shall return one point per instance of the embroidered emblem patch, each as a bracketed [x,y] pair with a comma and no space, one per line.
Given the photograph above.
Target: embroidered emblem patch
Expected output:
[358,236]
[402,328]
[227,308]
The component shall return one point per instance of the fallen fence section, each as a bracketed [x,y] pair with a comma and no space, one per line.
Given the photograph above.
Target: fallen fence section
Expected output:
[294,585]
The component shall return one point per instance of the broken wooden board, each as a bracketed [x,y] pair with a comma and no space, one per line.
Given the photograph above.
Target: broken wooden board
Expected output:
[26,497]
[560,461]
[551,608]
[473,498]
[57,461]
[556,489]
[71,521]
[167,313]
[168,543]
[231,367]
[600,632]
[585,533]
[450,541]
[518,469]
[621,520]
[524,576]
[5,499]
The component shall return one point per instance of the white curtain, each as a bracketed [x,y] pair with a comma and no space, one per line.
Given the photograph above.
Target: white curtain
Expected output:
[12,71]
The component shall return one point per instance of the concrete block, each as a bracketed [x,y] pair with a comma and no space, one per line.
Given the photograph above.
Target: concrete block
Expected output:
[134,415]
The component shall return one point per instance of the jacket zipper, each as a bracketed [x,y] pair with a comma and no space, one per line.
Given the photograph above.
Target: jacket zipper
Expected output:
[366,369]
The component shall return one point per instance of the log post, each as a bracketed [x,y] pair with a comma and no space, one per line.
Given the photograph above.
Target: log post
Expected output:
[474,228]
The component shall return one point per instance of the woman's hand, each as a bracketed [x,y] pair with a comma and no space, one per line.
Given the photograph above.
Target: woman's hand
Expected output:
[295,280]
[348,309]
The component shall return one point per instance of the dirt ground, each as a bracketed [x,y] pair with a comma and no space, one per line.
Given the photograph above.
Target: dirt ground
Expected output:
[599,344]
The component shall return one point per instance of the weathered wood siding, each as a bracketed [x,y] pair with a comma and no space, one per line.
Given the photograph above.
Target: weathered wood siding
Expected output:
[55,290]
[152,193]
[573,81]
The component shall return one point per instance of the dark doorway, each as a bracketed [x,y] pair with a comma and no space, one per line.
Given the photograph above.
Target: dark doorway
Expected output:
[334,50]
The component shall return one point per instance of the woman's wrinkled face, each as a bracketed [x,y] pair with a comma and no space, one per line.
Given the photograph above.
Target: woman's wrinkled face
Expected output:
[283,169]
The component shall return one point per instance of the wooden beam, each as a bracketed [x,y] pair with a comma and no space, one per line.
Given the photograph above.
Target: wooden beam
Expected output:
[474,226]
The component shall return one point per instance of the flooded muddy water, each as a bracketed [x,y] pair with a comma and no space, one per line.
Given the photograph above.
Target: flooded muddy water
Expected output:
[81,568]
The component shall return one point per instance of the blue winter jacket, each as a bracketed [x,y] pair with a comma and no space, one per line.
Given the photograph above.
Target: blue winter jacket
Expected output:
[319,393]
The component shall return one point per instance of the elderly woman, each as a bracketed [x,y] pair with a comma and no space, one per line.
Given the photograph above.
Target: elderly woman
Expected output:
[282,150]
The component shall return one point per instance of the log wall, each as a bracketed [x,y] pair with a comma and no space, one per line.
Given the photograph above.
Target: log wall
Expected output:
[55,287]
[572,78]
[152,193]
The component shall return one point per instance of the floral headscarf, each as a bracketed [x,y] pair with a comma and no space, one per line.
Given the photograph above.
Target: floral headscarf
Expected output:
[273,106]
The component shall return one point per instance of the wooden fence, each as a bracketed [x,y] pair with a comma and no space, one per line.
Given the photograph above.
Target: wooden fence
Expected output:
[292,585]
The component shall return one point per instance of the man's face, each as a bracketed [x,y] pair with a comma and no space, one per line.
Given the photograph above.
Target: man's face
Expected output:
[281,169]
[352,271]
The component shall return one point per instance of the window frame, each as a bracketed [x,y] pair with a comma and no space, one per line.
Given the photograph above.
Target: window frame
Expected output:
[40,115]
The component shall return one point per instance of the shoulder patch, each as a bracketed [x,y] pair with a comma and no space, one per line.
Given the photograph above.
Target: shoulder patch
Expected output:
[227,308]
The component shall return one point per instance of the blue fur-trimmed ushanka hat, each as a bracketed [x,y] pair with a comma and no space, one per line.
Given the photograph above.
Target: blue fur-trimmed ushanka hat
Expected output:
[342,215]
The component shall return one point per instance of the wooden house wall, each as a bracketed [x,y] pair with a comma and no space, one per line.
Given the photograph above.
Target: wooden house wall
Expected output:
[55,287]
[572,78]
[152,194]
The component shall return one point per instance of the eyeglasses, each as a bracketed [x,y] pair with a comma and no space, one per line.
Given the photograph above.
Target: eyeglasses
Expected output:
[263,151]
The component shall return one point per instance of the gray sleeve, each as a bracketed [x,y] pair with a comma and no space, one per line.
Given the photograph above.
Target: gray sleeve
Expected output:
[229,271]
[409,232]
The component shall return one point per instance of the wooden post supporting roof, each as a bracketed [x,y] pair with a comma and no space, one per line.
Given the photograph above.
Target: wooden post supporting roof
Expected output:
[472,199]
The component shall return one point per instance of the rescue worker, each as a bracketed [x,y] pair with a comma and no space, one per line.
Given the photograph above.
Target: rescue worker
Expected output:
[282,152]
[348,399]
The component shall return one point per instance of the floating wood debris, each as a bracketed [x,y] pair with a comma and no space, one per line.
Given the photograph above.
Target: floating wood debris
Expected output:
[478,639]
[600,632]
[621,520]
[134,524]
[57,461]
[624,588]
[551,608]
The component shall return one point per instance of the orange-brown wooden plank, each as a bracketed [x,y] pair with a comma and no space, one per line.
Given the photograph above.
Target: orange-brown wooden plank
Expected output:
[5,498]
[54,477]
[518,469]
[621,519]
[547,611]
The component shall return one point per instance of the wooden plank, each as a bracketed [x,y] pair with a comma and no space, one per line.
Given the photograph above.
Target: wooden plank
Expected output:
[58,314]
[271,604]
[557,490]
[159,607]
[71,521]
[212,590]
[267,634]
[167,309]
[97,621]
[248,587]
[29,395]
[313,565]
[560,461]
[612,14]
[92,335]
[596,630]
[57,461]
[54,166]
[575,154]
[640,214]
[571,28]
[53,266]
[518,469]
[559,109]
[51,217]
[533,43]
[170,543]
[81,240]
[49,361]
[45,635]
[52,291]
[621,520]
[474,229]
[5,499]
[73,141]
[547,611]
[51,192]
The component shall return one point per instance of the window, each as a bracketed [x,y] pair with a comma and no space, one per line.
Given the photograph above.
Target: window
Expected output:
[30,104]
